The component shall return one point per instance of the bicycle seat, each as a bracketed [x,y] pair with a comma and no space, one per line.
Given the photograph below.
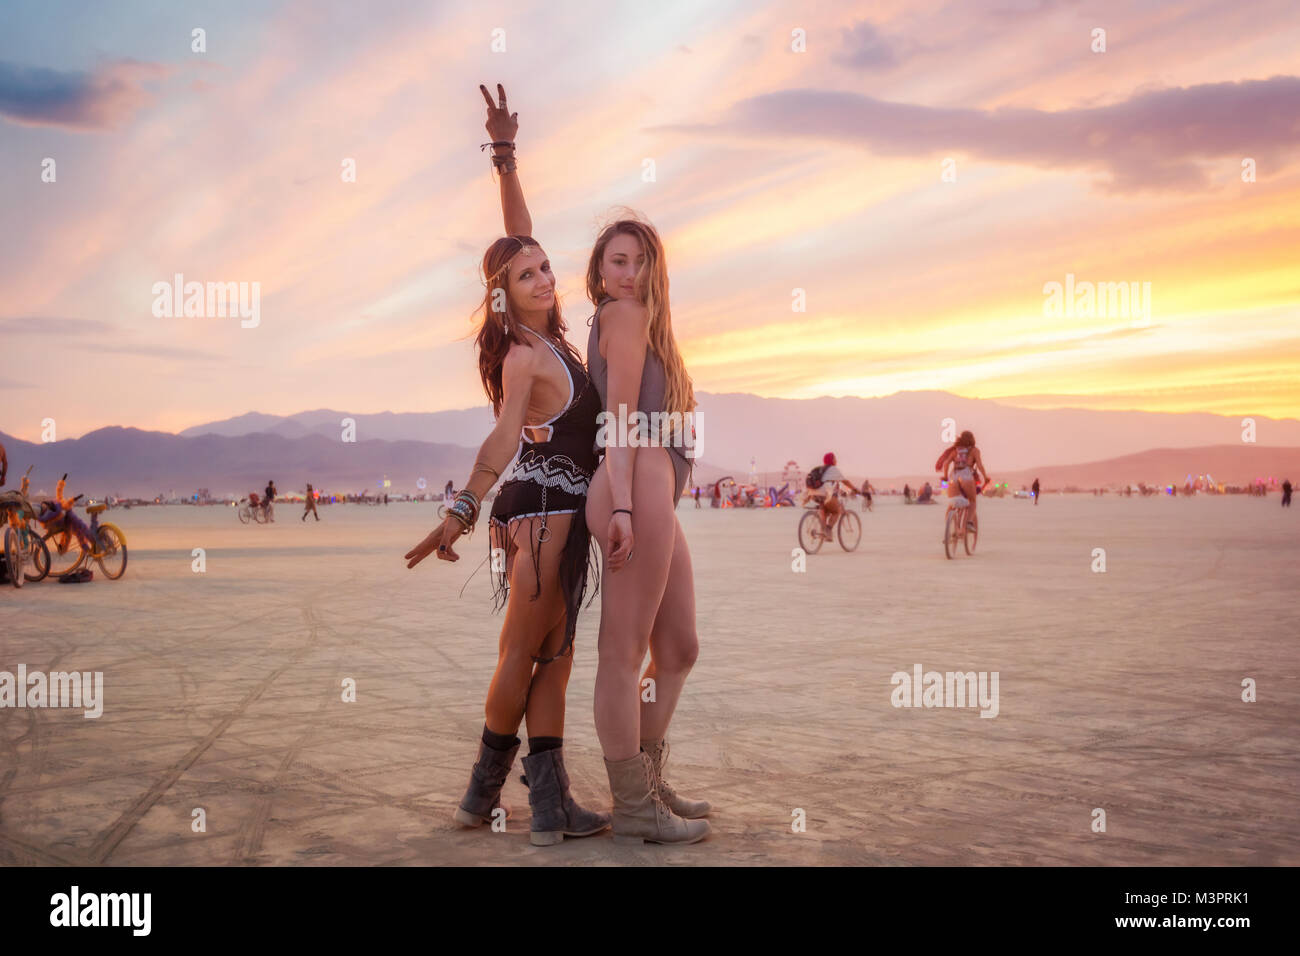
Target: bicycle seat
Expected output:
[95,509]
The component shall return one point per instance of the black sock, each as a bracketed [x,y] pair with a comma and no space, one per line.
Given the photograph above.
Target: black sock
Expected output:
[537,744]
[502,742]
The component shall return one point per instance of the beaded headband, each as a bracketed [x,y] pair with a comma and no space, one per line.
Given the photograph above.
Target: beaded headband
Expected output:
[523,247]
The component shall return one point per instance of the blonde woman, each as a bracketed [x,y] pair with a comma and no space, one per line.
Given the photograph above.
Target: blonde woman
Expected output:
[648,588]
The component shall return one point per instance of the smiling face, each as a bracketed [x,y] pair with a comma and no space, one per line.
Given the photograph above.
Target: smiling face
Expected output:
[623,259]
[532,283]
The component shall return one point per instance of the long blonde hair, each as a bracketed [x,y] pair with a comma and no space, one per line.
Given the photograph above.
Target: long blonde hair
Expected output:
[652,292]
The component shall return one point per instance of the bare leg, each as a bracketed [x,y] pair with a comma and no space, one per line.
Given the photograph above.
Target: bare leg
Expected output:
[674,644]
[630,599]
[954,489]
[527,622]
[832,510]
[545,714]
[968,489]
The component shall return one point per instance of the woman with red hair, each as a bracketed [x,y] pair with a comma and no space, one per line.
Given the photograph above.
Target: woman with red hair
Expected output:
[546,410]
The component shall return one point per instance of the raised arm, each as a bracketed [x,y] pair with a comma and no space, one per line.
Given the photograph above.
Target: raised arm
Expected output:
[502,126]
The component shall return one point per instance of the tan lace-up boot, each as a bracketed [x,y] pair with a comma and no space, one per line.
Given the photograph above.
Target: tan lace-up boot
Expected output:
[682,806]
[639,815]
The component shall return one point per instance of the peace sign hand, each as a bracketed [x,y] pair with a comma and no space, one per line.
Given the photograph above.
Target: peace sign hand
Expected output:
[502,125]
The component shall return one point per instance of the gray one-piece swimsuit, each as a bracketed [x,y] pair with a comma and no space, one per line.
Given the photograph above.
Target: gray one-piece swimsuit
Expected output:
[654,389]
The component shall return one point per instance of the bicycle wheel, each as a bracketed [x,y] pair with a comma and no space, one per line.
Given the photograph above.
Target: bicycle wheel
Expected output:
[949,542]
[37,562]
[245,514]
[259,514]
[65,559]
[112,551]
[850,532]
[972,535]
[13,557]
[810,532]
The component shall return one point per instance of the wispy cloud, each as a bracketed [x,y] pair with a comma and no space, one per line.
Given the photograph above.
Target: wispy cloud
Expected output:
[864,47]
[1157,140]
[35,325]
[104,99]
[92,335]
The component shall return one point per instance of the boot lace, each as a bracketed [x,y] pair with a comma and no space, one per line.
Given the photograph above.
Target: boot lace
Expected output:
[662,787]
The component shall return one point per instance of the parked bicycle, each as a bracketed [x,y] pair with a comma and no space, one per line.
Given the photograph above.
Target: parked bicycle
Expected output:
[24,550]
[72,543]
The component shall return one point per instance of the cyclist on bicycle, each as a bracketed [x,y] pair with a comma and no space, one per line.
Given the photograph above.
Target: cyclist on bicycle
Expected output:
[963,457]
[823,484]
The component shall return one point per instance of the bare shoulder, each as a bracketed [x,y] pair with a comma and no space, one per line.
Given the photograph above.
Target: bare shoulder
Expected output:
[626,315]
[520,363]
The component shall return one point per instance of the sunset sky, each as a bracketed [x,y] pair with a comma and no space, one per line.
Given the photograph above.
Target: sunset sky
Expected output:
[774,170]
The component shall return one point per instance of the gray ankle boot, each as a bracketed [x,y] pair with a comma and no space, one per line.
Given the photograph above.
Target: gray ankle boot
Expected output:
[485,783]
[685,808]
[555,813]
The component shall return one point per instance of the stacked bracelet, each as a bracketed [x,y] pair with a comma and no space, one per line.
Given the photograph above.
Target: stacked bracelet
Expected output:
[504,162]
[465,509]
[461,512]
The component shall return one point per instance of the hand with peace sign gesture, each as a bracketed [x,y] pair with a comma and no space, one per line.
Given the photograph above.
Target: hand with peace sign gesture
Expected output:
[502,125]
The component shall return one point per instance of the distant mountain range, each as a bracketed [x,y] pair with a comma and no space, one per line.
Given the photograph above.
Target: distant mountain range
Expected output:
[129,462]
[134,463]
[898,436]
[893,435]
[467,427]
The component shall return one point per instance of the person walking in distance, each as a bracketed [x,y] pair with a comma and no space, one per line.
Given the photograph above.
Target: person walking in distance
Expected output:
[270,499]
[1035,490]
[1286,493]
[311,504]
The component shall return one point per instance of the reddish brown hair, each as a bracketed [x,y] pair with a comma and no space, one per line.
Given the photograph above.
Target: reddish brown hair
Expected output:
[493,339]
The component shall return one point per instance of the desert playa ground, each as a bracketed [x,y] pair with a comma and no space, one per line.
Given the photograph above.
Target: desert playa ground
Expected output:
[1119,690]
